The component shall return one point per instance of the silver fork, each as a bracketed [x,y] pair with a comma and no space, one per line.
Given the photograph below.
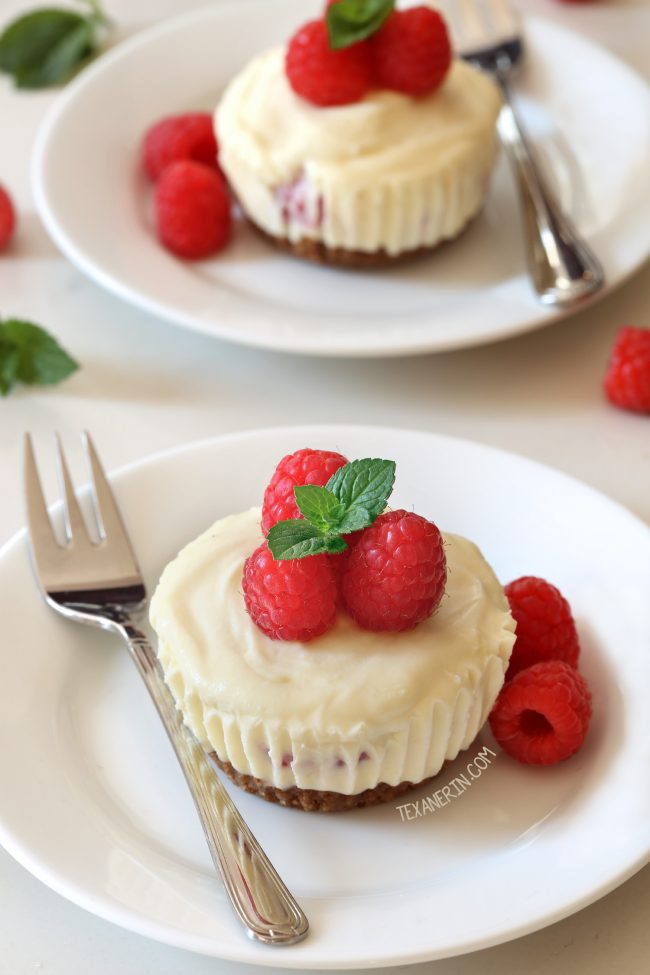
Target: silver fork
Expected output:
[99,583]
[563,267]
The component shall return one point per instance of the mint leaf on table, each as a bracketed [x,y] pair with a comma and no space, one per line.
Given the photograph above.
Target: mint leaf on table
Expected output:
[8,366]
[44,47]
[28,354]
[352,499]
[349,21]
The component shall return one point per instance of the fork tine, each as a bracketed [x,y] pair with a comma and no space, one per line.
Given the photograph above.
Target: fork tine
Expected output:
[75,525]
[108,514]
[38,520]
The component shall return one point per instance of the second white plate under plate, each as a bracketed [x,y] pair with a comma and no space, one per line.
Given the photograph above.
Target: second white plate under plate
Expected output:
[590,115]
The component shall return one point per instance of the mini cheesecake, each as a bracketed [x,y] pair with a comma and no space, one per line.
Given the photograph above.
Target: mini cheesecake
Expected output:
[360,184]
[351,718]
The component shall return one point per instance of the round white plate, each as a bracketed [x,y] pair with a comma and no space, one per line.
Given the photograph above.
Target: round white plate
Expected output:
[93,804]
[589,113]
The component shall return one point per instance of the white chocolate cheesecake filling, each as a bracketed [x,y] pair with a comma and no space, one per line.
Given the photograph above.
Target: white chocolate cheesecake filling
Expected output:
[347,710]
[388,172]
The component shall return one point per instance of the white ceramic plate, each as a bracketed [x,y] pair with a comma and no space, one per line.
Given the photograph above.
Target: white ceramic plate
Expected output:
[590,114]
[93,804]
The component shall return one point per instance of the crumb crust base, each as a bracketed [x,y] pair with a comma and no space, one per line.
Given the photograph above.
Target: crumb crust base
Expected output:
[313,800]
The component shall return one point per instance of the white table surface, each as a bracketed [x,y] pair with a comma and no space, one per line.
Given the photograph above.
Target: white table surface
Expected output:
[146,386]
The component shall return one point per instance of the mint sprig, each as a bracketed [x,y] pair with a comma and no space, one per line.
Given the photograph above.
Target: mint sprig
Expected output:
[28,354]
[44,47]
[349,21]
[297,538]
[352,499]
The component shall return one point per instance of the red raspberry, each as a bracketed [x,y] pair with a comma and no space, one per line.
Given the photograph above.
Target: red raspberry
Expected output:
[289,599]
[302,467]
[542,715]
[324,76]
[627,381]
[192,210]
[177,138]
[395,573]
[411,51]
[7,218]
[545,627]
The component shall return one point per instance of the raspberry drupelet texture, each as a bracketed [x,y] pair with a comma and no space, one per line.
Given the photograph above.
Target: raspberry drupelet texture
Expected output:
[545,626]
[289,599]
[324,76]
[411,52]
[7,218]
[304,466]
[627,381]
[178,138]
[394,576]
[192,207]
[542,715]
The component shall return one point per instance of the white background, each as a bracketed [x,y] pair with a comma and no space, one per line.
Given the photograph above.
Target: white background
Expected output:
[145,386]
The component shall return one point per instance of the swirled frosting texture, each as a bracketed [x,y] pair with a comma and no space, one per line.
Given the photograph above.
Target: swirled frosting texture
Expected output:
[388,172]
[346,711]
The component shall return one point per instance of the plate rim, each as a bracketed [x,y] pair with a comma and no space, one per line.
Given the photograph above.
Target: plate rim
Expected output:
[247,953]
[143,301]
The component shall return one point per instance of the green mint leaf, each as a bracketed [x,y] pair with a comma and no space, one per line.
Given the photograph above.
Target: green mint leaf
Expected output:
[61,61]
[354,520]
[364,484]
[44,47]
[335,544]
[319,506]
[351,500]
[350,21]
[296,538]
[8,366]
[39,359]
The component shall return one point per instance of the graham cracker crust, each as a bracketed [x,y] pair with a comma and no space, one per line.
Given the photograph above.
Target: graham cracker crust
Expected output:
[317,252]
[313,800]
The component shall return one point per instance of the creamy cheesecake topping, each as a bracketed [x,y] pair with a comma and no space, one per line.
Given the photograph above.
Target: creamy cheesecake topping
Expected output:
[344,174]
[306,714]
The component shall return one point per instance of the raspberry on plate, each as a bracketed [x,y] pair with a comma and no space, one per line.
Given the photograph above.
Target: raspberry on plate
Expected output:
[322,75]
[542,715]
[192,206]
[411,51]
[289,599]
[304,466]
[178,138]
[627,381]
[7,218]
[545,626]
[394,576]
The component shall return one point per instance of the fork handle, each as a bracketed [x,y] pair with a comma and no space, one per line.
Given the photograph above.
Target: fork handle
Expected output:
[563,267]
[261,900]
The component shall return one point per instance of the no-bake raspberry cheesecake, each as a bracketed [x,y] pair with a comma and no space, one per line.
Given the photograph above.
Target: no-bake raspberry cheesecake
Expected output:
[345,656]
[360,151]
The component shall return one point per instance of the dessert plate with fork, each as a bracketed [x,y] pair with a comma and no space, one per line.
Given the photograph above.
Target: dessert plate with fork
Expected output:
[94,805]
[575,99]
